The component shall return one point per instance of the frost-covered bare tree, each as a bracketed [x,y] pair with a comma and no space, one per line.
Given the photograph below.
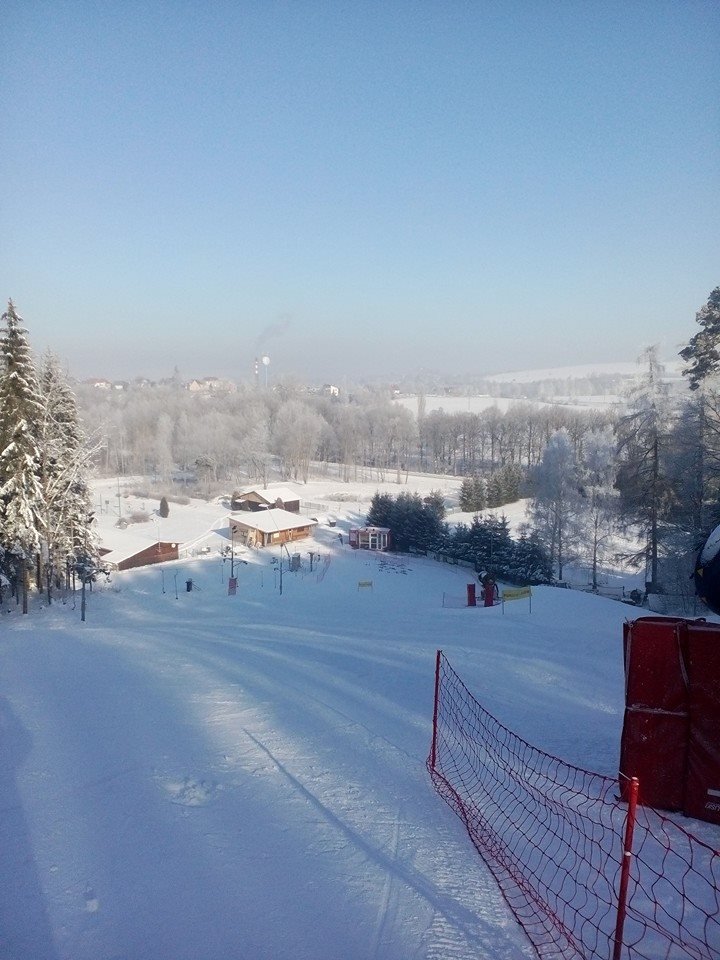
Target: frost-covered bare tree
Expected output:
[646,493]
[349,425]
[597,521]
[556,500]
[296,436]
[255,453]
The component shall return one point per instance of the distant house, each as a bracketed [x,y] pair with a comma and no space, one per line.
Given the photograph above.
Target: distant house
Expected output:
[254,500]
[135,555]
[261,528]
[369,538]
[210,385]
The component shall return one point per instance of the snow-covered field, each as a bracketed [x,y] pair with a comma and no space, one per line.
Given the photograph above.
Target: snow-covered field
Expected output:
[194,775]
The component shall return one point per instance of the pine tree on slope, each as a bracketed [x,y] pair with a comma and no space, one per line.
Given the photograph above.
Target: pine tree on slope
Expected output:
[64,459]
[20,412]
[703,350]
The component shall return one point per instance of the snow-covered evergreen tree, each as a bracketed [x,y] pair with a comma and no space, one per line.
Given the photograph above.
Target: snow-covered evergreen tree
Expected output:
[20,413]
[495,492]
[64,461]
[467,495]
[531,563]
[472,494]
[703,351]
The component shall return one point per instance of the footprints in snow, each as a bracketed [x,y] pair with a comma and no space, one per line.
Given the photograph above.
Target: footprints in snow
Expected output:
[189,792]
[92,904]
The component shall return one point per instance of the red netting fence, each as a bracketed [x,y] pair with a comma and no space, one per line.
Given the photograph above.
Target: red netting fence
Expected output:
[553,836]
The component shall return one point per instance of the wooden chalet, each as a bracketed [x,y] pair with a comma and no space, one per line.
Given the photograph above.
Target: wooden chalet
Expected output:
[131,556]
[255,500]
[264,527]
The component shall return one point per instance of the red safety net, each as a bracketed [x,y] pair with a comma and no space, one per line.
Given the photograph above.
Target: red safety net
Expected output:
[553,836]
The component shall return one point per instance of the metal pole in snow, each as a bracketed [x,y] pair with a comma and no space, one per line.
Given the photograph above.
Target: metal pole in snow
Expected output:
[438,655]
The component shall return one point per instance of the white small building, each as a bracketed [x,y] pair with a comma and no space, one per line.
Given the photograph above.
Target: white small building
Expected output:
[369,538]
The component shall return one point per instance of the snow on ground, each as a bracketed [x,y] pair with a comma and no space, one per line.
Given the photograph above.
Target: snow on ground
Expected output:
[194,775]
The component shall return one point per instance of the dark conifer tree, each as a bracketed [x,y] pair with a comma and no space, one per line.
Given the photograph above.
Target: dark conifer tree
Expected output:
[703,351]
[467,495]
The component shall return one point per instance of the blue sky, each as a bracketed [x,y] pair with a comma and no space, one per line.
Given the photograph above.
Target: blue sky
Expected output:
[388,187]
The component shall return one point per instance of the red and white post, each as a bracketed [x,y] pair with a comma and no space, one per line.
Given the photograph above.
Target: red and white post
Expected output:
[625,869]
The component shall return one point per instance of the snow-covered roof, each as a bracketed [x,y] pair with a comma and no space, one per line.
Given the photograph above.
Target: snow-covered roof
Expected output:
[129,543]
[271,494]
[271,521]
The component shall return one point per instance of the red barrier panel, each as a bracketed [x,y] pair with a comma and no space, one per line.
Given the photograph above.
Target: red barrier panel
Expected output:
[654,749]
[656,723]
[654,669]
[702,792]
[671,729]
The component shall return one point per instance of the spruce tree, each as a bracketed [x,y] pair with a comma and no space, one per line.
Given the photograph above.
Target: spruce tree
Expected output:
[20,412]
[467,495]
[703,351]
[64,460]
[495,490]
[479,497]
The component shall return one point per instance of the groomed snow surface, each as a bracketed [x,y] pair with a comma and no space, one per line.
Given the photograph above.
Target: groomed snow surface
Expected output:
[197,776]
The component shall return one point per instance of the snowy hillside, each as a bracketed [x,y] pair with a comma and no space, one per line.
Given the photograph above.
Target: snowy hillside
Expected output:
[194,775]
[672,366]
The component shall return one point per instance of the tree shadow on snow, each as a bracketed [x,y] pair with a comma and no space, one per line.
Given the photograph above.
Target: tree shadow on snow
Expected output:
[25,931]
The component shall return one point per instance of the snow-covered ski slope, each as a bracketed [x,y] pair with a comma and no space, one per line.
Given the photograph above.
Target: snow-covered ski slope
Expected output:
[205,776]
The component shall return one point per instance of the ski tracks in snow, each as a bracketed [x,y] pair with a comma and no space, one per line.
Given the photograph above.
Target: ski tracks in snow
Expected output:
[389,897]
